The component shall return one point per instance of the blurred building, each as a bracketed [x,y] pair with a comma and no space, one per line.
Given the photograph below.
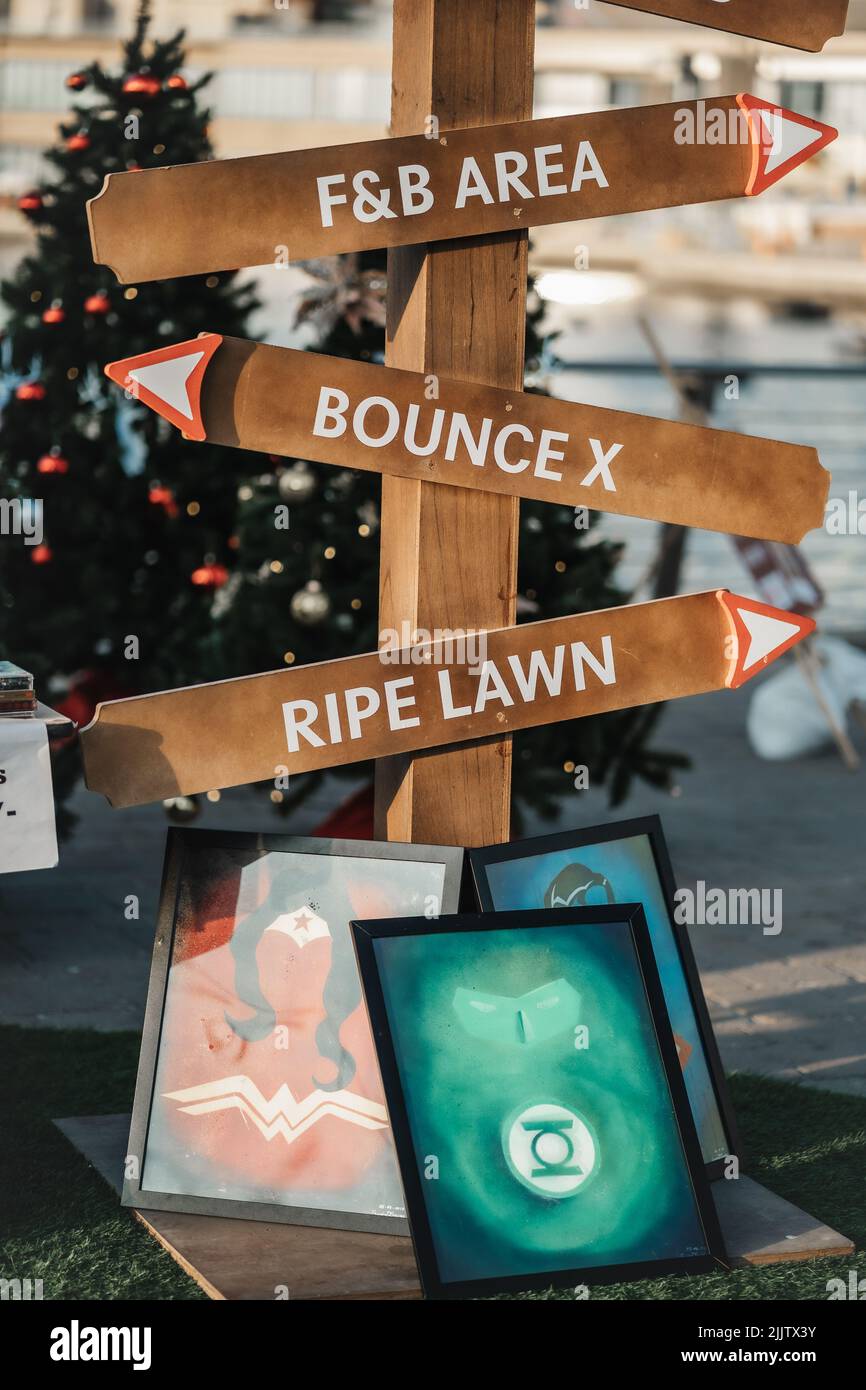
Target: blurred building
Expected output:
[291,73]
[776,285]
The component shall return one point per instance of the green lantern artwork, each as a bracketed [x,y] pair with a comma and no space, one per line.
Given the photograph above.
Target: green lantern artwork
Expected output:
[541,1120]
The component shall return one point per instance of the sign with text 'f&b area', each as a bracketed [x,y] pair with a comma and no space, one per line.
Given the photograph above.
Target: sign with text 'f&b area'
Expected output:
[194,219]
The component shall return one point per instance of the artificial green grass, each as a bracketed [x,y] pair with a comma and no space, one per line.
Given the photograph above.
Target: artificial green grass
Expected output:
[810,1147]
[61,1223]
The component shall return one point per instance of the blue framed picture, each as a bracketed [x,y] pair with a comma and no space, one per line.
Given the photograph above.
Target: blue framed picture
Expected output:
[626,861]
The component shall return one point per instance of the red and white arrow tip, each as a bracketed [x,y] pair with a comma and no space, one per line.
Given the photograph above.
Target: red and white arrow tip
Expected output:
[761,634]
[169,380]
[781,140]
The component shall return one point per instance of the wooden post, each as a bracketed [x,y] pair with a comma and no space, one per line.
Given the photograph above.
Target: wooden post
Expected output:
[449,556]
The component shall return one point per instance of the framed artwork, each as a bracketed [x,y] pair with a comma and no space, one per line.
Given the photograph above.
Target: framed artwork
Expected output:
[541,1120]
[258,1091]
[627,861]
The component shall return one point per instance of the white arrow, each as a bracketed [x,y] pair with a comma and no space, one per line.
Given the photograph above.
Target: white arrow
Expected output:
[765,635]
[790,138]
[168,381]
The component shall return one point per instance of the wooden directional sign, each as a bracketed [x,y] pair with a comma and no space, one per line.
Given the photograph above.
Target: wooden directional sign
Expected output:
[407,425]
[192,219]
[798,23]
[400,701]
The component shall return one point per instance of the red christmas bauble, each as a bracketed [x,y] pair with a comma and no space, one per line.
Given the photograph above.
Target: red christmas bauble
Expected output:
[176,83]
[30,391]
[76,81]
[54,315]
[41,555]
[142,84]
[30,202]
[211,576]
[163,497]
[98,303]
[52,463]
[78,142]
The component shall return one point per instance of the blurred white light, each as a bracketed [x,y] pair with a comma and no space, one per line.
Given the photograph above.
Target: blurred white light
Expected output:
[707,67]
[809,68]
[585,287]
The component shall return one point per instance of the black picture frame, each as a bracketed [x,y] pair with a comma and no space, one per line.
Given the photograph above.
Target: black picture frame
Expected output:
[651,827]
[631,917]
[178,840]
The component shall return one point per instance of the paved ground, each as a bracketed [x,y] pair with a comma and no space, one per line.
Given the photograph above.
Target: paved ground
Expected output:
[791,1005]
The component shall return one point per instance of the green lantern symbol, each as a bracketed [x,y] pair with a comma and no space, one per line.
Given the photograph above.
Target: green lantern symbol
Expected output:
[550,1149]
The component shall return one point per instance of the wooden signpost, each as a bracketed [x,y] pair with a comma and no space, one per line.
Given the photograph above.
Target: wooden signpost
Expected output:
[193,219]
[449,691]
[455,309]
[798,23]
[451,195]
[357,415]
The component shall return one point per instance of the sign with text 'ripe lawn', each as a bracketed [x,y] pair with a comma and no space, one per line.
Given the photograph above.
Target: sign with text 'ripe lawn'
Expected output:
[358,415]
[192,219]
[438,693]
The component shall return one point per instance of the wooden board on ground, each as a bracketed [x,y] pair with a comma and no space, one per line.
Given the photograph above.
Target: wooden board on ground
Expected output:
[233,1259]
[761,1228]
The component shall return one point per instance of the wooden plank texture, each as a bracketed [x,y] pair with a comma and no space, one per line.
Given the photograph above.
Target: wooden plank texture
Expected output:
[804,24]
[333,713]
[359,415]
[448,559]
[471,69]
[231,1258]
[761,1228]
[482,172]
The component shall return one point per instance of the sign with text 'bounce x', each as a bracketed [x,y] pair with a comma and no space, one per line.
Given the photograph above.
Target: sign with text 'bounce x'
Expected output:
[358,415]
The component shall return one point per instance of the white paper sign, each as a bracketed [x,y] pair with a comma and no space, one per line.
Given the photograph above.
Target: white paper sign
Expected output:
[28,835]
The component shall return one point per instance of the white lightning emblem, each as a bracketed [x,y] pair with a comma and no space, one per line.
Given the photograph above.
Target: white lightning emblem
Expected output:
[282,1114]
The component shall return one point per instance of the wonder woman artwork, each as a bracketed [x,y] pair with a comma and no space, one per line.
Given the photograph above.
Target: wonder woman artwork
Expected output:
[266,1086]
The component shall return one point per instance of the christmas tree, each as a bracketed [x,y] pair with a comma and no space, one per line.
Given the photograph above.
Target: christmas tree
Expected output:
[137,522]
[162,563]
